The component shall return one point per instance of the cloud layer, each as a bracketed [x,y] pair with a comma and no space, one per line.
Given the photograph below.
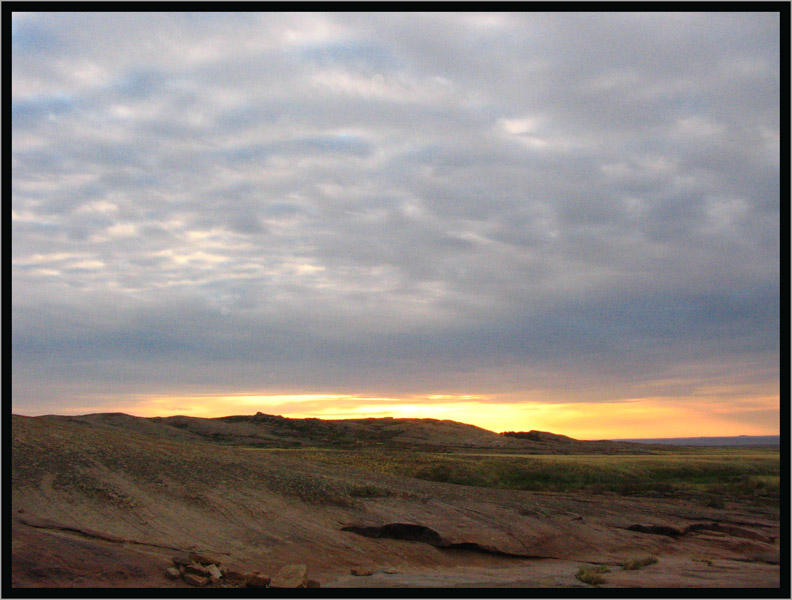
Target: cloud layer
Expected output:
[576,206]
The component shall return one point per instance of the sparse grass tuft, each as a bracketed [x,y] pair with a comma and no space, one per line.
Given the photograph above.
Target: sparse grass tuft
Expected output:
[592,575]
[639,563]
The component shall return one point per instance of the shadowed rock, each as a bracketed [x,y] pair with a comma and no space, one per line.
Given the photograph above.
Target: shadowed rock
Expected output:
[255,579]
[399,531]
[195,580]
[656,529]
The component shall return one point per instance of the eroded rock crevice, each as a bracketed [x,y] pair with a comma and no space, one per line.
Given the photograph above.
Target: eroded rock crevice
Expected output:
[667,530]
[399,531]
[421,533]
[656,529]
[50,525]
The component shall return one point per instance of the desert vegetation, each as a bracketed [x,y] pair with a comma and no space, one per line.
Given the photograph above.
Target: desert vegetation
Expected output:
[710,476]
[592,575]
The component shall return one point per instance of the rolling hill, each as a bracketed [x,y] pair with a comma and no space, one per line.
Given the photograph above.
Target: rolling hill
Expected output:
[274,431]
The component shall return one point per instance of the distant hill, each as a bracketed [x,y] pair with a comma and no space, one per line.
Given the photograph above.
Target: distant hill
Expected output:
[274,431]
[740,440]
[539,436]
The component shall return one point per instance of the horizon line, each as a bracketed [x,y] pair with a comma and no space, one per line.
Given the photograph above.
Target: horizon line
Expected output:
[621,439]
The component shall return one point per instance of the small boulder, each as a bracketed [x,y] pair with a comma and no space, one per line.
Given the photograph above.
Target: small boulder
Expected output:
[195,580]
[361,572]
[312,583]
[232,576]
[290,576]
[181,559]
[172,573]
[214,573]
[257,579]
[195,569]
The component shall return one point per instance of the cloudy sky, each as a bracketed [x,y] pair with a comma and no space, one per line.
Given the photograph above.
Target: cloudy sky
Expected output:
[559,221]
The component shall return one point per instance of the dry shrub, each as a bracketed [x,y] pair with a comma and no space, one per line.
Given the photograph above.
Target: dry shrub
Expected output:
[592,575]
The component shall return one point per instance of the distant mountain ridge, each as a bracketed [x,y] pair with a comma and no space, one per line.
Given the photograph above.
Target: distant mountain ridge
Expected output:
[738,441]
[275,431]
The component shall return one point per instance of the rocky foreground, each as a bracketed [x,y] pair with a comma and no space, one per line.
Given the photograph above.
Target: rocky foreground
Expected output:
[96,506]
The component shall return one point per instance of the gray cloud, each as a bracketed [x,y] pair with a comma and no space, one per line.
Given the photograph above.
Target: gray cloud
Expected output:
[404,202]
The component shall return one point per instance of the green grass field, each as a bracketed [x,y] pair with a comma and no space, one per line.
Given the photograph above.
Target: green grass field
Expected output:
[712,474]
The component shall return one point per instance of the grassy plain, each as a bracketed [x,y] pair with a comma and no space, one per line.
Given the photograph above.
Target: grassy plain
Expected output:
[711,474]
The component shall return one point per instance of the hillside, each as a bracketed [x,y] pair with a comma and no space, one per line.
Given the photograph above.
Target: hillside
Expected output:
[109,500]
[273,431]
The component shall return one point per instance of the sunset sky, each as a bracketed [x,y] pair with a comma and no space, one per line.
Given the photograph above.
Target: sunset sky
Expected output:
[556,221]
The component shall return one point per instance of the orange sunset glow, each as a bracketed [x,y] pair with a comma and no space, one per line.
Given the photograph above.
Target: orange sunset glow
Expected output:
[631,418]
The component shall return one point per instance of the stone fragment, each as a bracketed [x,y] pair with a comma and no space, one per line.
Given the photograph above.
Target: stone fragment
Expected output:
[181,559]
[172,573]
[361,572]
[290,576]
[257,579]
[214,573]
[195,580]
[195,570]
[203,559]
[312,583]
[233,576]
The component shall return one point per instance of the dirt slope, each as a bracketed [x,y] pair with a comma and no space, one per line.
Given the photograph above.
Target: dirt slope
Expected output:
[102,505]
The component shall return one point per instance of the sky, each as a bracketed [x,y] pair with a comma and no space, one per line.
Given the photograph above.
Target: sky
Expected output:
[556,221]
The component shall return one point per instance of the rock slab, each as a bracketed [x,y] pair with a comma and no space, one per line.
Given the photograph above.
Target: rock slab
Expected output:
[182,559]
[195,580]
[256,579]
[203,559]
[290,576]
[194,569]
